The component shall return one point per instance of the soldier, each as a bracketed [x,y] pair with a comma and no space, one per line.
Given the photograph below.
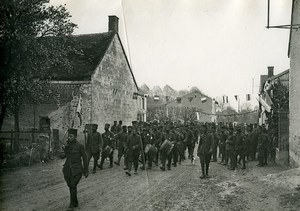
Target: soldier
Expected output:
[119,127]
[253,142]
[94,145]
[247,145]
[204,151]
[181,145]
[147,140]
[262,147]
[73,168]
[231,144]
[215,143]
[273,146]
[168,135]
[114,130]
[108,146]
[190,141]
[122,137]
[133,147]
[240,146]
[222,144]
[178,145]
[156,142]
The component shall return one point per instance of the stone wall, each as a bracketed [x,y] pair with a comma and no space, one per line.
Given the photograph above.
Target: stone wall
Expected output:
[294,139]
[60,112]
[112,89]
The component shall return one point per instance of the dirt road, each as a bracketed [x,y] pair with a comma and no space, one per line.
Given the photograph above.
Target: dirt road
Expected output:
[41,187]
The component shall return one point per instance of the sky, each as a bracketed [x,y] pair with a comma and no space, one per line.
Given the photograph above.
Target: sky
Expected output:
[220,46]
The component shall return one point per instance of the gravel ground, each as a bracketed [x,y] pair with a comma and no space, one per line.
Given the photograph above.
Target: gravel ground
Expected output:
[42,187]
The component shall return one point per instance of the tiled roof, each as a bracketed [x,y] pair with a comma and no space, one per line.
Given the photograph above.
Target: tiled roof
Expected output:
[90,50]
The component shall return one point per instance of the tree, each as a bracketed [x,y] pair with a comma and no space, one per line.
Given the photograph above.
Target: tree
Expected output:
[227,115]
[33,40]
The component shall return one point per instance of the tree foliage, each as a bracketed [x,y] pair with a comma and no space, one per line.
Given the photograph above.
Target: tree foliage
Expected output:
[33,40]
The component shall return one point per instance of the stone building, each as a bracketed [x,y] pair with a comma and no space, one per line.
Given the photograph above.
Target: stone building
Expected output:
[193,106]
[294,55]
[100,89]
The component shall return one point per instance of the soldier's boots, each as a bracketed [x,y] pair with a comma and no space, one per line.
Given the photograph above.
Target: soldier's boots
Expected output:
[128,173]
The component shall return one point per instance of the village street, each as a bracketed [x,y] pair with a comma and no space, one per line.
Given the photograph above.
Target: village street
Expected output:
[42,187]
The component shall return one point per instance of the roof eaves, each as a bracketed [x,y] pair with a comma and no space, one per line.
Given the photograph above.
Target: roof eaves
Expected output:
[280,74]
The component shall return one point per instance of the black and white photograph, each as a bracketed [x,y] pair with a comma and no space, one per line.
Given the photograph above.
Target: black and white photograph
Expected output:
[149,105]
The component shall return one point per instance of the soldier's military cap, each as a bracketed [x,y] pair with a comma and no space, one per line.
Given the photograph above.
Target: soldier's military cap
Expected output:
[124,127]
[72,131]
[94,126]
[107,125]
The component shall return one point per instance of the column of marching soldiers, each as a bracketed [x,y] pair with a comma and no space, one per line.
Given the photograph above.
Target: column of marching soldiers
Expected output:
[167,142]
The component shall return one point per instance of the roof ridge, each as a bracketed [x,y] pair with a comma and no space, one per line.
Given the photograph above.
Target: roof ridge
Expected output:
[90,34]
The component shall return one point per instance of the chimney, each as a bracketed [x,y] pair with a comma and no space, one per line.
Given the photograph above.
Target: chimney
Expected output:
[270,71]
[113,23]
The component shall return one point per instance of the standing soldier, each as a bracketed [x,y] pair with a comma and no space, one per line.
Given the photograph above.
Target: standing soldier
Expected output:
[215,144]
[231,144]
[73,168]
[190,141]
[253,142]
[108,146]
[114,130]
[273,145]
[262,147]
[247,145]
[167,154]
[222,145]
[94,145]
[122,137]
[133,147]
[156,141]
[240,146]
[204,151]
[146,139]
[119,127]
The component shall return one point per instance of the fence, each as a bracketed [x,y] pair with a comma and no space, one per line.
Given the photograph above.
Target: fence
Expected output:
[27,139]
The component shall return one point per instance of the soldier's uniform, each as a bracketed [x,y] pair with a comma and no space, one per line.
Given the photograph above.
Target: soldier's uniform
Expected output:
[75,165]
[231,144]
[253,142]
[215,144]
[108,141]
[156,141]
[204,151]
[168,135]
[122,138]
[240,147]
[119,127]
[190,142]
[222,145]
[94,145]
[262,148]
[114,130]
[133,148]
